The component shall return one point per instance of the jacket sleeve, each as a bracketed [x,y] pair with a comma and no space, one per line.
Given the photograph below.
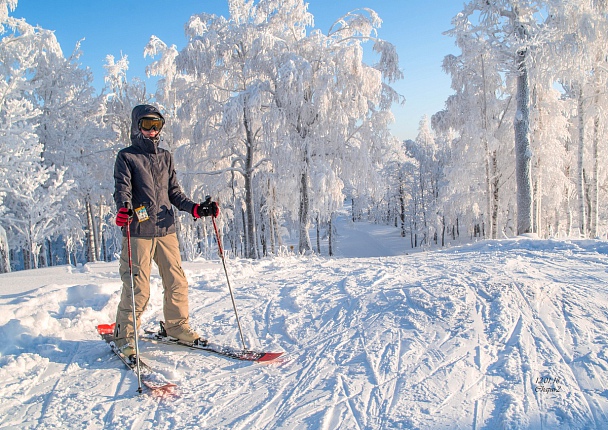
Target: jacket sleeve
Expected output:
[122,181]
[176,195]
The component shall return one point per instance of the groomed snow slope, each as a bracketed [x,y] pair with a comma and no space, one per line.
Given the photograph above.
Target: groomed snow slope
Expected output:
[498,334]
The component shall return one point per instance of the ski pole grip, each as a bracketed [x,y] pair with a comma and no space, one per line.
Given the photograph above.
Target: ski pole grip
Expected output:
[127,206]
[215,210]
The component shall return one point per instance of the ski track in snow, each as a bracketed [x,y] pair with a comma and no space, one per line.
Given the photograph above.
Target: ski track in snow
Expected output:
[455,338]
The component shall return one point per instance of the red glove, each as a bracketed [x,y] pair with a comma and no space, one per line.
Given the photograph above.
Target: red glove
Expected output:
[123,216]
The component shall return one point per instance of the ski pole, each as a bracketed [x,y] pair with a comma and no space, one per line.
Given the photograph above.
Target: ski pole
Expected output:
[221,251]
[139,388]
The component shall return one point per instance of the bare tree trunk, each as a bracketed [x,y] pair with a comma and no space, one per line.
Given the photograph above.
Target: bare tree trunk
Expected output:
[271,234]
[304,244]
[569,215]
[595,202]
[523,151]
[494,206]
[279,239]
[271,220]
[104,248]
[331,235]
[33,249]
[91,242]
[263,235]
[264,225]
[402,205]
[580,180]
[538,204]
[489,161]
[99,232]
[27,257]
[318,235]
[95,232]
[251,249]
[68,252]
[43,261]
[566,205]
[5,262]
[537,181]
[244,245]
[489,192]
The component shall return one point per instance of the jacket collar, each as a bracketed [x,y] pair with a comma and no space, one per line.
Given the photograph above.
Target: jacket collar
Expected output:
[148,146]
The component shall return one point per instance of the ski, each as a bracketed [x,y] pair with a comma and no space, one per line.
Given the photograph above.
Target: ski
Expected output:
[225,351]
[149,377]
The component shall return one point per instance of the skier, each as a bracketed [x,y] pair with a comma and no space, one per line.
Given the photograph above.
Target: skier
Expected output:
[145,191]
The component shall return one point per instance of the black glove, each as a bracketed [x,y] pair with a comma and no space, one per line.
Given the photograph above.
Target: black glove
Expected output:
[207,208]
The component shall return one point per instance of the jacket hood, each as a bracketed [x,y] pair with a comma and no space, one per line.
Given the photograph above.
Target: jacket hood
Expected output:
[138,113]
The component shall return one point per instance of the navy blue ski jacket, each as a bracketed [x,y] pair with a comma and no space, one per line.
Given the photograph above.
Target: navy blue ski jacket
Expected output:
[144,176]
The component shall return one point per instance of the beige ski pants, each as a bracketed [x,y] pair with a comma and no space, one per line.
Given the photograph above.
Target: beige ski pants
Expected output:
[165,253]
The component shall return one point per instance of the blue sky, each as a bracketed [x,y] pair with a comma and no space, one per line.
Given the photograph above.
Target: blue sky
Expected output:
[124,26]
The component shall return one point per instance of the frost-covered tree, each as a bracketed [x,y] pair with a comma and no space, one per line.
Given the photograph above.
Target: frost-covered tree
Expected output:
[578,54]
[409,196]
[481,112]
[25,179]
[52,139]
[512,31]
[514,51]
[549,134]
[121,96]
[72,134]
[270,106]
[19,146]
[425,186]
[330,103]
[222,78]
[35,206]
[514,54]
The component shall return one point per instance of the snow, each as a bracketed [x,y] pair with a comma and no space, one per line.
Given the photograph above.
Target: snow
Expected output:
[495,334]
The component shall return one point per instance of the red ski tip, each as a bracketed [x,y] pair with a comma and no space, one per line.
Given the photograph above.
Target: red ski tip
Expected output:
[167,387]
[161,392]
[105,328]
[269,356]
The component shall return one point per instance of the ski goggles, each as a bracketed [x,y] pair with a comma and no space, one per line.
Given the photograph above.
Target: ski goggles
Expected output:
[148,124]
